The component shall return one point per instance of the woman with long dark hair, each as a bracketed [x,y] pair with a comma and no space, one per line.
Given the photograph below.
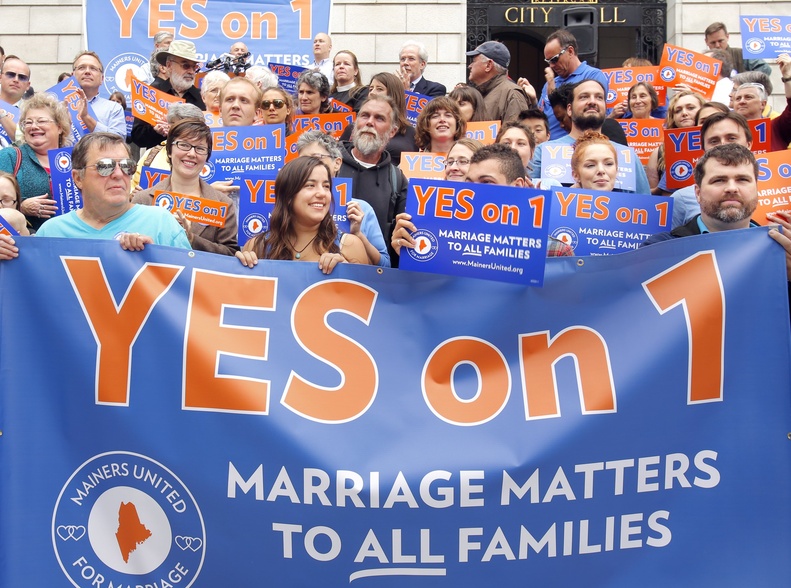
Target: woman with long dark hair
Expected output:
[301,226]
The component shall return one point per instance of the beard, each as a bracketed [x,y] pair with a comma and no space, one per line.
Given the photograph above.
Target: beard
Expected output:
[180,81]
[729,214]
[588,122]
[368,142]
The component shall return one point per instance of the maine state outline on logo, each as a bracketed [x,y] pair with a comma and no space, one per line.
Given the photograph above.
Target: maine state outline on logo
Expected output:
[426,246]
[123,519]
[116,73]
[63,161]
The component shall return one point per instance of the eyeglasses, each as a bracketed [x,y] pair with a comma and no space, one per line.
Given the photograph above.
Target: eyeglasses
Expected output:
[277,103]
[12,75]
[320,156]
[185,65]
[86,67]
[184,146]
[106,166]
[8,202]
[554,60]
[39,122]
[461,162]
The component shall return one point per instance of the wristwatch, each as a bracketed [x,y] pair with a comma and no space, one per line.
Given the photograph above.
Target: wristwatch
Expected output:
[784,80]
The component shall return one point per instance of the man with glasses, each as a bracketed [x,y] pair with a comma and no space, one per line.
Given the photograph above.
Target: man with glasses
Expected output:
[102,170]
[504,100]
[564,67]
[14,82]
[181,63]
[88,71]
[749,100]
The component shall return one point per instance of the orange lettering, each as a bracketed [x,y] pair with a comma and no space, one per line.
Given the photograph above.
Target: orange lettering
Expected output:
[190,12]
[126,14]
[156,14]
[494,381]
[695,285]
[359,376]
[270,20]
[538,356]
[209,338]
[115,328]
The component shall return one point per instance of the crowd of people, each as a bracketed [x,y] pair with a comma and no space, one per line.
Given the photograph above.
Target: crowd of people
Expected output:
[568,111]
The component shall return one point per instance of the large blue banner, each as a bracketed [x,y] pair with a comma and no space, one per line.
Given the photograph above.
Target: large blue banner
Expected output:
[275,30]
[171,418]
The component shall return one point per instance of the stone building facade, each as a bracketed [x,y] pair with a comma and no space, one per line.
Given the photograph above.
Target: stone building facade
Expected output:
[48,33]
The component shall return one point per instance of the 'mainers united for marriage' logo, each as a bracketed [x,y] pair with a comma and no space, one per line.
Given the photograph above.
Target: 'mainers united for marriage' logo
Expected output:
[123,519]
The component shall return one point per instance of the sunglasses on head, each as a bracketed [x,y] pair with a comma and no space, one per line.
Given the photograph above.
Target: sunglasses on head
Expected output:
[277,102]
[106,166]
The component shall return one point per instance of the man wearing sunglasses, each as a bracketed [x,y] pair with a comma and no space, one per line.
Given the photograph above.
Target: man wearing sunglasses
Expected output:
[564,67]
[108,116]
[102,171]
[14,82]
[181,63]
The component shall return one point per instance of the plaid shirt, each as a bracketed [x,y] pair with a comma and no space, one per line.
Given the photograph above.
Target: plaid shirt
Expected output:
[557,248]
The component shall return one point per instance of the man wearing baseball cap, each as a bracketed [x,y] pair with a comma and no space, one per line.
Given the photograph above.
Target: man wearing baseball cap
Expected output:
[181,63]
[504,100]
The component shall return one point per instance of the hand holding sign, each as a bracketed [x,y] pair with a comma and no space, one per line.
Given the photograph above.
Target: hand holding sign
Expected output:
[402,234]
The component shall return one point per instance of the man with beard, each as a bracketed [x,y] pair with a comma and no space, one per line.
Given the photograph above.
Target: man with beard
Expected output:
[587,109]
[726,189]
[181,63]
[374,178]
[89,73]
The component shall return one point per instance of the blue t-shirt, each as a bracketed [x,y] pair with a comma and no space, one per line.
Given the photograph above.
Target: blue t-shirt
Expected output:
[583,72]
[152,221]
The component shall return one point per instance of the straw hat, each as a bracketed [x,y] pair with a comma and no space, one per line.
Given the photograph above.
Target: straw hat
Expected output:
[183,49]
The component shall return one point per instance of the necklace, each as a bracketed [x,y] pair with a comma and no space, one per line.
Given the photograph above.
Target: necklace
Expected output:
[298,254]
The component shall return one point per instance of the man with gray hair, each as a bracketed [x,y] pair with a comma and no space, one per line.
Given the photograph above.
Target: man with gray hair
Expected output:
[412,63]
[162,41]
[504,100]
[374,178]
[261,76]
[181,62]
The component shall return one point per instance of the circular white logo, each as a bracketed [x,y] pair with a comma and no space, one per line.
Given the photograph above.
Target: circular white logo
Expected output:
[254,224]
[681,170]
[426,246]
[63,161]
[667,73]
[127,518]
[165,200]
[755,45]
[555,171]
[122,68]
[567,235]
[207,173]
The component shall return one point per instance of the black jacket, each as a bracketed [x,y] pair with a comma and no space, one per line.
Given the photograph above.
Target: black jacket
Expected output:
[143,134]
[429,88]
[375,186]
